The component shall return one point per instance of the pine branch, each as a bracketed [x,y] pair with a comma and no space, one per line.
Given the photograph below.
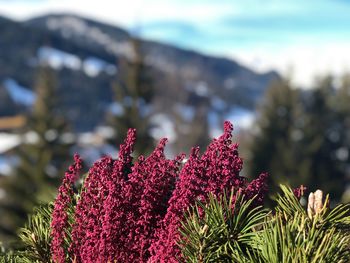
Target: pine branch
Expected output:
[36,235]
[221,229]
[291,235]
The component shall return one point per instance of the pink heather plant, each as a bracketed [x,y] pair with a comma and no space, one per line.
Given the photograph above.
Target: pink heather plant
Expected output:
[217,169]
[299,191]
[131,212]
[59,216]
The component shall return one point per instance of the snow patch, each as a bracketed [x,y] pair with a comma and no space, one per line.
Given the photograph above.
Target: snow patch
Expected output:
[31,137]
[240,117]
[200,88]
[116,109]
[215,125]
[91,153]
[68,138]
[19,94]
[218,103]
[105,132]
[70,25]
[58,59]
[230,83]
[68,22]
[163,127]
[159,62]
[93,66]
[8,141]
[185,111]
[7,163]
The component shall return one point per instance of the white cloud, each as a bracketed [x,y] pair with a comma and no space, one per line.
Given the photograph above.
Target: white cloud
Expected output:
[127,13]
[300,62]
[263,51]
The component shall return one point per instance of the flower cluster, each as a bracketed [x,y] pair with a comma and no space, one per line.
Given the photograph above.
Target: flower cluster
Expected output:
[299,191]
[59,216]
[216,170]
[131,211]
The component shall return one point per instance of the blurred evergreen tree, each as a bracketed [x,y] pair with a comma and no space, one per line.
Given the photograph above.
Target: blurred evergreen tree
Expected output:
[342,105]
[323,140]
[133,93]
[320,140]
[42,158]
[199,132]
[273,148]
[191,124]
[303,136]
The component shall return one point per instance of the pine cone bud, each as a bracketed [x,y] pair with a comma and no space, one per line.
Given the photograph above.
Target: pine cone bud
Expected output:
[315,203]
[310,205]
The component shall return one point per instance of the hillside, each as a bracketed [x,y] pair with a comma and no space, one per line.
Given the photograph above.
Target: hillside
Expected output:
[84,54]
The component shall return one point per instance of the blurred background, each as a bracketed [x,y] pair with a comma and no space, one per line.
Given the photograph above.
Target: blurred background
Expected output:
[75,74]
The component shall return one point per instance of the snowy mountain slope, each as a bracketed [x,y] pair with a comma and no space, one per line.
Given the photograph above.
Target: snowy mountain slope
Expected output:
[85,53]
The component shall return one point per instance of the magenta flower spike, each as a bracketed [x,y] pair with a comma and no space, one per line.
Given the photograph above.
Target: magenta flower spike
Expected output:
[131,211]
[59,215]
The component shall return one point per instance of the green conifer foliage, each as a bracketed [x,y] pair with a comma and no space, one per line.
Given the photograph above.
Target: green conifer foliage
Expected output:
[342,106]
[133,92]
[219,232]
[290,234]
[273,146]
[303,136]
[42,159]
[321,141]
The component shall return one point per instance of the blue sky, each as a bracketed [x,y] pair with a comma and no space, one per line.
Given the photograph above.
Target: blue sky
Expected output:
[298,38]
